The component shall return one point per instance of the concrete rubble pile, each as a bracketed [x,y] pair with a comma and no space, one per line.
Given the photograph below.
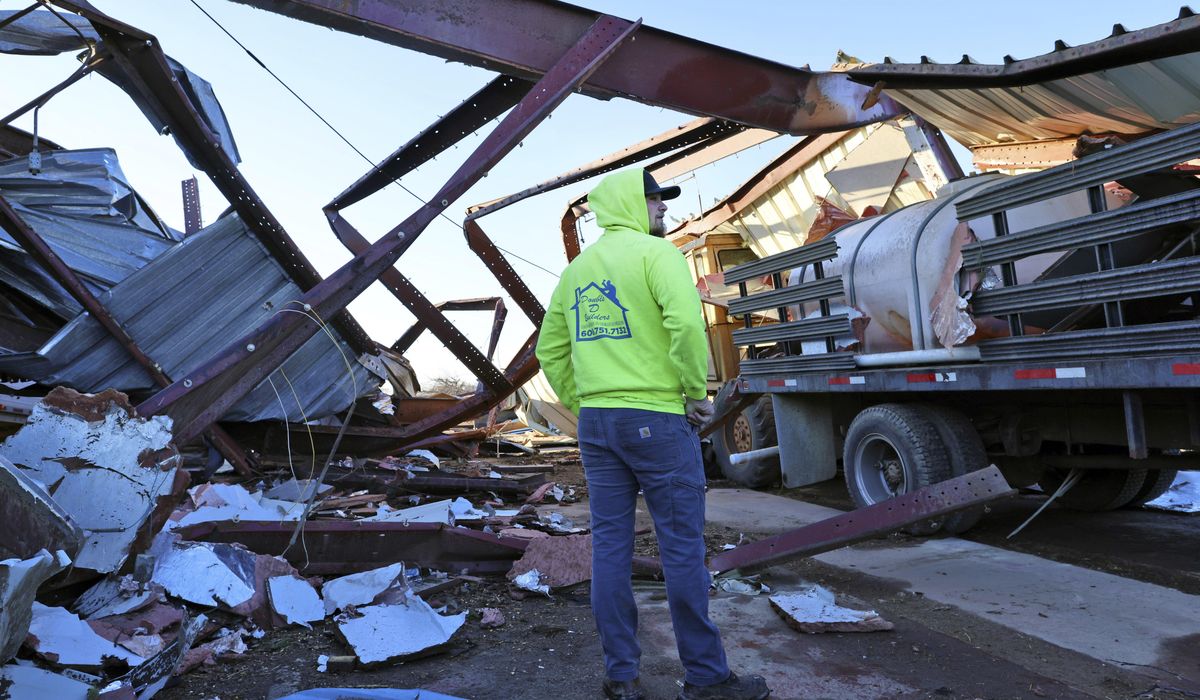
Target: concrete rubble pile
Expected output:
[117,576]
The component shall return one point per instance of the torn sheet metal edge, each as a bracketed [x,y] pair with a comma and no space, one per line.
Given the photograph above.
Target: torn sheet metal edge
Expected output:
[33,518]
[109,452]
[374,638]
[19,582]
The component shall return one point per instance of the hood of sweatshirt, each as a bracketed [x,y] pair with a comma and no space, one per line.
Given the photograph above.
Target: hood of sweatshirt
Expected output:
[619,202]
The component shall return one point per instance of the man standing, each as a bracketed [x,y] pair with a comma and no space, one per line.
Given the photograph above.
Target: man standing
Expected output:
[623,346]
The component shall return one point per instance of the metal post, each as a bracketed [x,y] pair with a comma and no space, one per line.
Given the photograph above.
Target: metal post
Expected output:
[1008,271]
[1113,315]
[1135,425]
[199,399]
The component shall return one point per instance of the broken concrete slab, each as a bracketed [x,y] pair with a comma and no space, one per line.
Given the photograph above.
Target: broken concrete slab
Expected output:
[23,681]
[61,637]
[79,445]
[32,519]
[361,588]
[561,561]
[383,633]
[295,600]
[19,582]
[814,609]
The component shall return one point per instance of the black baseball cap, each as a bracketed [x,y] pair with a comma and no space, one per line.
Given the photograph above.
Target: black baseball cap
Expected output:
[651,187]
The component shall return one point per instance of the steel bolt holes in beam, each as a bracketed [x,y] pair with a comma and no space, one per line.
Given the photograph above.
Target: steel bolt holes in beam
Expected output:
[197,400]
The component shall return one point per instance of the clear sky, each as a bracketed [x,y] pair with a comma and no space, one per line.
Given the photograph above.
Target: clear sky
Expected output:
[379,96]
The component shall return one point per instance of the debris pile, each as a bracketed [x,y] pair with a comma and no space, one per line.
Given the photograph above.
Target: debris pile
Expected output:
[119,576]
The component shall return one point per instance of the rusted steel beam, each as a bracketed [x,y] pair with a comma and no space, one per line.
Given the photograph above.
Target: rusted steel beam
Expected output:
[1122,48]
[33,244]
[473,113]
[771,176]
[696,131]
[495,261]
[522,369]
[335,547]
[427,314]
[707,152]
[940,499]
[405,341]
[16,142]
[570,228]
[142,63]
[192,220]
[941,149]
[526,37]
[199,399]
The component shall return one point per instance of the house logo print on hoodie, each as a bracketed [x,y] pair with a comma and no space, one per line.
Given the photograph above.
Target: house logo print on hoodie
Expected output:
[599,314]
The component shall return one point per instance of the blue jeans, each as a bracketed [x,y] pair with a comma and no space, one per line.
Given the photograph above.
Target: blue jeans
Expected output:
[623,450]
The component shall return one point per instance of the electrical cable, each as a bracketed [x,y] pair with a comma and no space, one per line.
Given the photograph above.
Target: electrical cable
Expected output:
[341,136]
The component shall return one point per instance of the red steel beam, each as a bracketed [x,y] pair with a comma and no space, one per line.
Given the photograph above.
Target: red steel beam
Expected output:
[427,314]
[697,131]
[975,488]
[199,399]
[526,37]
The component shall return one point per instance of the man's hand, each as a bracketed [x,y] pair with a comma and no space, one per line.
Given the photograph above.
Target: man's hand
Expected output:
[699,411]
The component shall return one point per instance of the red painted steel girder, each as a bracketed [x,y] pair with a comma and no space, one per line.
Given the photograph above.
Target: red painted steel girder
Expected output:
[1122,48]
[336,547]
[526,37]
[704,130]
[197,400]
[473,113]
[933,501]
[427,314]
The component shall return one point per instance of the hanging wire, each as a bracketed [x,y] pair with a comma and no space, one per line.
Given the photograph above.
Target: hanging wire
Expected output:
[345,140]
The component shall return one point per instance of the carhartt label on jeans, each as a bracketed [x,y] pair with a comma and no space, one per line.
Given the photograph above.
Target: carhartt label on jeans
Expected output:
[644,432]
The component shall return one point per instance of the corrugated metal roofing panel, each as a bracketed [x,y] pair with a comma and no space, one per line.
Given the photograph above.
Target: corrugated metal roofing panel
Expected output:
[205,292]
[1159,94]
[81,205]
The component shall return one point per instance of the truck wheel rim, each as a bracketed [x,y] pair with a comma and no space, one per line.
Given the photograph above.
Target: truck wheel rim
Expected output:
[743,436]
[879,470]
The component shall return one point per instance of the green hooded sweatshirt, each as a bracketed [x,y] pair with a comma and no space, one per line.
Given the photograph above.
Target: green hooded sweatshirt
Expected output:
[624,327]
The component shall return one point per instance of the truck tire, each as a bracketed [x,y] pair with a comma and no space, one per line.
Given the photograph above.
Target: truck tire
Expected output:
[966,453]
[1157,483]
[1097,490]
[752,429]
[894,449]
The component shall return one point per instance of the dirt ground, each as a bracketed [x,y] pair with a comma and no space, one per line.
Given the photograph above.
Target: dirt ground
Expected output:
[548,647]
